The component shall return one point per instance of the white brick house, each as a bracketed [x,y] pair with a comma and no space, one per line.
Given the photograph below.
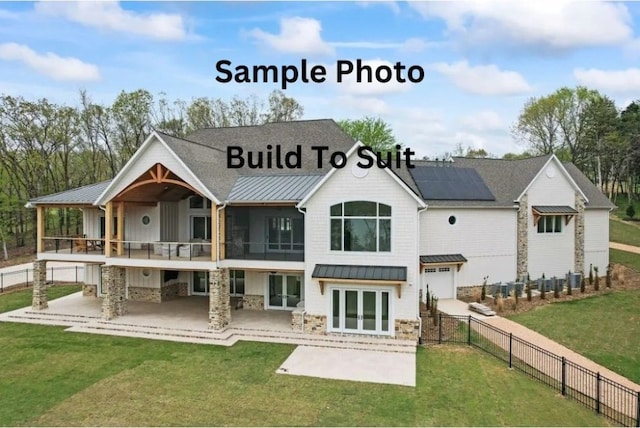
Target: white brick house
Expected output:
[345,250]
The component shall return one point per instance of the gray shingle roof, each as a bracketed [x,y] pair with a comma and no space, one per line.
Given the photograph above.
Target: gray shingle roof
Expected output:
[597,199]
[84,195]
[442,258]
[370,273]
[554,209]
[272,188]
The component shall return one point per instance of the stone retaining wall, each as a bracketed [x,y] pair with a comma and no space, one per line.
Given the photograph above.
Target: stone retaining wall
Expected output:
[407,329]
[315,324]
[253,302]
[90,290]
[467,293]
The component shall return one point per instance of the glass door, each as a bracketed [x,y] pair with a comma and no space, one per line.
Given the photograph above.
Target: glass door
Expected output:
[360,311]
[200,283]
[285,291]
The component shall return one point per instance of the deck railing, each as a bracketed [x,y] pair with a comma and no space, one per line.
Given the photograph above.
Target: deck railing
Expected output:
[252,250]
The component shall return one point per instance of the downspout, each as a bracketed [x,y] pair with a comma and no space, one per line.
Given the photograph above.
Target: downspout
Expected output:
[304,311]
[419,277]
[220,208]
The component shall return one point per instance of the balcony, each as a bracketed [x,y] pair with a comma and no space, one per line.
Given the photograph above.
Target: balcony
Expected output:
[242,250]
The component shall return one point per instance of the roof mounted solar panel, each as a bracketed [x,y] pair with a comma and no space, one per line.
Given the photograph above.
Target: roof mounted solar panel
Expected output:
[449,183]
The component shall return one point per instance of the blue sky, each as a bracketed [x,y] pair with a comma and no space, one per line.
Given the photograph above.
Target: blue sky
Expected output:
[482,59]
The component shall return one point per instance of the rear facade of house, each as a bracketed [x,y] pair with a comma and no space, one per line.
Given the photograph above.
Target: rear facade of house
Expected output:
[345,250]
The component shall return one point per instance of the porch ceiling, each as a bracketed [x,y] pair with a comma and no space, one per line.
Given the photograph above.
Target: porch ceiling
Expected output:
[153,192]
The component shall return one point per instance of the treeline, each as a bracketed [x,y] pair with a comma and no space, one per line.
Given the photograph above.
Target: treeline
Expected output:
[585,127]
[47,148]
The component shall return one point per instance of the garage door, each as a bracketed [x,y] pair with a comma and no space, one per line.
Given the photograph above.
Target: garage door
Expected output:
[440,281]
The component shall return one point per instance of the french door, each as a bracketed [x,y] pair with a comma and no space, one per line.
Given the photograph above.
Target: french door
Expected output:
[285,291]
[360,311]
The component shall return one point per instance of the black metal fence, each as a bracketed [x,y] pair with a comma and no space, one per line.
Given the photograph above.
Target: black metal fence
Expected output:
[615,401]
[24,277]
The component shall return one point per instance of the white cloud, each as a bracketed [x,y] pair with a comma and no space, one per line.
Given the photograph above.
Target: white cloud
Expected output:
[385,69]
[109,15]
[620,81]
[50,64]
[410,45]
[5,14]
[395,8]
[363,105]
[483,79]
[483,121]
[297,35]
[558,24]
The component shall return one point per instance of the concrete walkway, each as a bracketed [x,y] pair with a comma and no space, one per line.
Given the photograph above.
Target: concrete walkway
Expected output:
[56,271]
[624,247]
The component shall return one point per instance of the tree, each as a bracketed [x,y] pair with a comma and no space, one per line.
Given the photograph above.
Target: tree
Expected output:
[631,211]
[373,132]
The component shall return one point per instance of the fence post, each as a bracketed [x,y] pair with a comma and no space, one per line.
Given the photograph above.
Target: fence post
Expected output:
[564,376]
[510,348]
[469,332]
[638,410]
[440,328]
[598,392]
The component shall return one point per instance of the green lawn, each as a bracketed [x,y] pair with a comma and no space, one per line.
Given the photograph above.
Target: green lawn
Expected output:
[624,233]
[20,299]
[604,328]
[631,260]
[51,378]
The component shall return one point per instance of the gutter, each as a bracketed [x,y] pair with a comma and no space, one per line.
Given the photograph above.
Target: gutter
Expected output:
[418,279]
[305,231]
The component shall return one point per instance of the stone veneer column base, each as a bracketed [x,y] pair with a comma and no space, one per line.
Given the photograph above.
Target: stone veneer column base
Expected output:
[407,329]
[90,290]
[219,305]
[114,303]
[39,300]
[315,324]
[579,235]
[253,302]
[522,242]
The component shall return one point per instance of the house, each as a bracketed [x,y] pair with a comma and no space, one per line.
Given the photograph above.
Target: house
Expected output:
[300,225]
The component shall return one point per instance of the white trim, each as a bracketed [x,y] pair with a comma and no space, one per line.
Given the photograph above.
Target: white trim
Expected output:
[351,151]
[564,172]
[143,147]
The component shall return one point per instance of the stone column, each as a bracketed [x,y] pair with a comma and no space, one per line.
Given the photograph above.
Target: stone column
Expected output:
[219,305]
[39,299]
[114,302]
[579,234]
[523,237]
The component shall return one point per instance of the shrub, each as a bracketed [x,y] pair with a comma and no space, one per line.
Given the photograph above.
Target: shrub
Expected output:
[543,293]
[596,285]
[631,211]
[428,298]
[499,303]
[569,292]
[434,310]
[590,274]
[483,294]
[556,287]
[528,291]
[583,283]
[608,278]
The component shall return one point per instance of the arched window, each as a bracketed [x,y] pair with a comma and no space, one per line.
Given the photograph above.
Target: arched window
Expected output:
[361,226]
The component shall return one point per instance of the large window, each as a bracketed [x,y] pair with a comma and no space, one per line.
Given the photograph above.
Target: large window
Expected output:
[361,226]
[285,233]
[197,202]
[236,282]
[201,227]
[550,224]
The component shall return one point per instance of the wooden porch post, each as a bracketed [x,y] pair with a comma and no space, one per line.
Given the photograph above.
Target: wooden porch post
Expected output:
[40,214]
[108,228]
[214,233]
[120,228]
[223,237]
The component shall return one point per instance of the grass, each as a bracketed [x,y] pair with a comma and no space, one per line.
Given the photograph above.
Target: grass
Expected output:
[624,233]
[631,260]
[50,377]
[604,328]
[19,299]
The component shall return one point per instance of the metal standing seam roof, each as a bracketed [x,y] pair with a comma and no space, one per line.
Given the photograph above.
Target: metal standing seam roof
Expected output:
[361,272]
[80,195]
[272,187]
[442,258]
[554,209]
